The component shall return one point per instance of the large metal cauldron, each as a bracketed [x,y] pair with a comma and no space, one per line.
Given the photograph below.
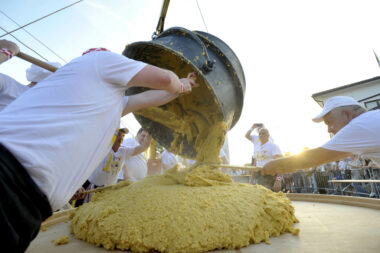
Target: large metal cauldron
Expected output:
[219,97]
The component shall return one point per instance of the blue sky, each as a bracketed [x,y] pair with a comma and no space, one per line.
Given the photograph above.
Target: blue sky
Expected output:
[288,49]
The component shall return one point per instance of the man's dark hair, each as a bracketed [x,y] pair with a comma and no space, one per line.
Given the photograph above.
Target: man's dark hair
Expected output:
[140,131]
[124,130]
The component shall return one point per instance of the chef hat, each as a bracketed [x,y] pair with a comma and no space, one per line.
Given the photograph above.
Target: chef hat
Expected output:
[37,74]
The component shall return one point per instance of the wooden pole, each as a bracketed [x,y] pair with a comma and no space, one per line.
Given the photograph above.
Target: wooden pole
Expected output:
[152,149]
[228,166]
[36,61]
[355,181]
[114,186]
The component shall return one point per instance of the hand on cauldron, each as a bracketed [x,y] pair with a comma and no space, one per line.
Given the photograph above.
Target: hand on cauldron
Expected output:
[189,82]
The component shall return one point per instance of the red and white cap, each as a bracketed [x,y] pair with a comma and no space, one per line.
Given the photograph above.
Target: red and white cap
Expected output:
[97,49]
[332,103]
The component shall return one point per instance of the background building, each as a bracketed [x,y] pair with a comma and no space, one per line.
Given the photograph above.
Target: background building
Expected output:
[366,92]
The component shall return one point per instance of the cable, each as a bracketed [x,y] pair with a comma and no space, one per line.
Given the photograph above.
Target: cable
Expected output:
[24,44]
[199,8]
[34,37]
[377,59]
[40,18]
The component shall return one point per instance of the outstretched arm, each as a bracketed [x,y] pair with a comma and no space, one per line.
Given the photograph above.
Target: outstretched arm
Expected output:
[158,97]
[125,172]
[148,99]
[248,134]
[307,159]
[143,146]
[162,79]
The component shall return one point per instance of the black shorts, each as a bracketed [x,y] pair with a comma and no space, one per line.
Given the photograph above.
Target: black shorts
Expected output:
[23,206]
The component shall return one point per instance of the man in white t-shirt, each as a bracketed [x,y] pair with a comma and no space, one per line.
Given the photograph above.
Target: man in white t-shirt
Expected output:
[10,89]
[356,131]
[254,138]
[135,168]
[266,151]
[107,171]
[54,135]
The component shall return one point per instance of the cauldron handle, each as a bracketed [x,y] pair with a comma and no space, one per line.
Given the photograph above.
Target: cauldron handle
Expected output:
[208,64]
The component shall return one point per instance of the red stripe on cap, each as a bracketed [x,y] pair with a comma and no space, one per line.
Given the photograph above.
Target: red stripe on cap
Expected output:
[7,52]
[95,50]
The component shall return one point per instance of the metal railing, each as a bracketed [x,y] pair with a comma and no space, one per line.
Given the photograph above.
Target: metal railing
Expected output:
[319,182]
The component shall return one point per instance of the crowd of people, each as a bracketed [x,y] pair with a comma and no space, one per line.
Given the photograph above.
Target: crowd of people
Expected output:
[316,180]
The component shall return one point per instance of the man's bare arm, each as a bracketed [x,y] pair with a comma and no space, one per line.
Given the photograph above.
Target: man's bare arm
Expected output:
[162,79]
[143,146]
[248,134]
[125,172]
[307,159]
[149,98]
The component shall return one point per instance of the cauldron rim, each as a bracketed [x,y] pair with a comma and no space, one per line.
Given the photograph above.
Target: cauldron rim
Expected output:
[193,66]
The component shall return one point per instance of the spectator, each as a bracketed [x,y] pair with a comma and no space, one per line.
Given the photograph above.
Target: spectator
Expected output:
[342,164]
[53,136]
[331,169]
[267,151]
[356,167]
[314,180]
[135,168]
[254,138]
[107,171]
[369,169]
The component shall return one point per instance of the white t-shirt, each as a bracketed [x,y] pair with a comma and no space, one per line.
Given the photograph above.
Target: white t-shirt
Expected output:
[361,136]
[256,143]
[107,171]
[62,128]
[10,89]
[136,165]
[342,165]
[266,153]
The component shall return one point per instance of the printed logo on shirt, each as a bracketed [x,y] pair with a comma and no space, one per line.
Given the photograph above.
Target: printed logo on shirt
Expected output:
[262,156]
[113,164]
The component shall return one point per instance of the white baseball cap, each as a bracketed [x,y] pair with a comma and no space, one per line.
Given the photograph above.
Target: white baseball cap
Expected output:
[335,102]
[37,74]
